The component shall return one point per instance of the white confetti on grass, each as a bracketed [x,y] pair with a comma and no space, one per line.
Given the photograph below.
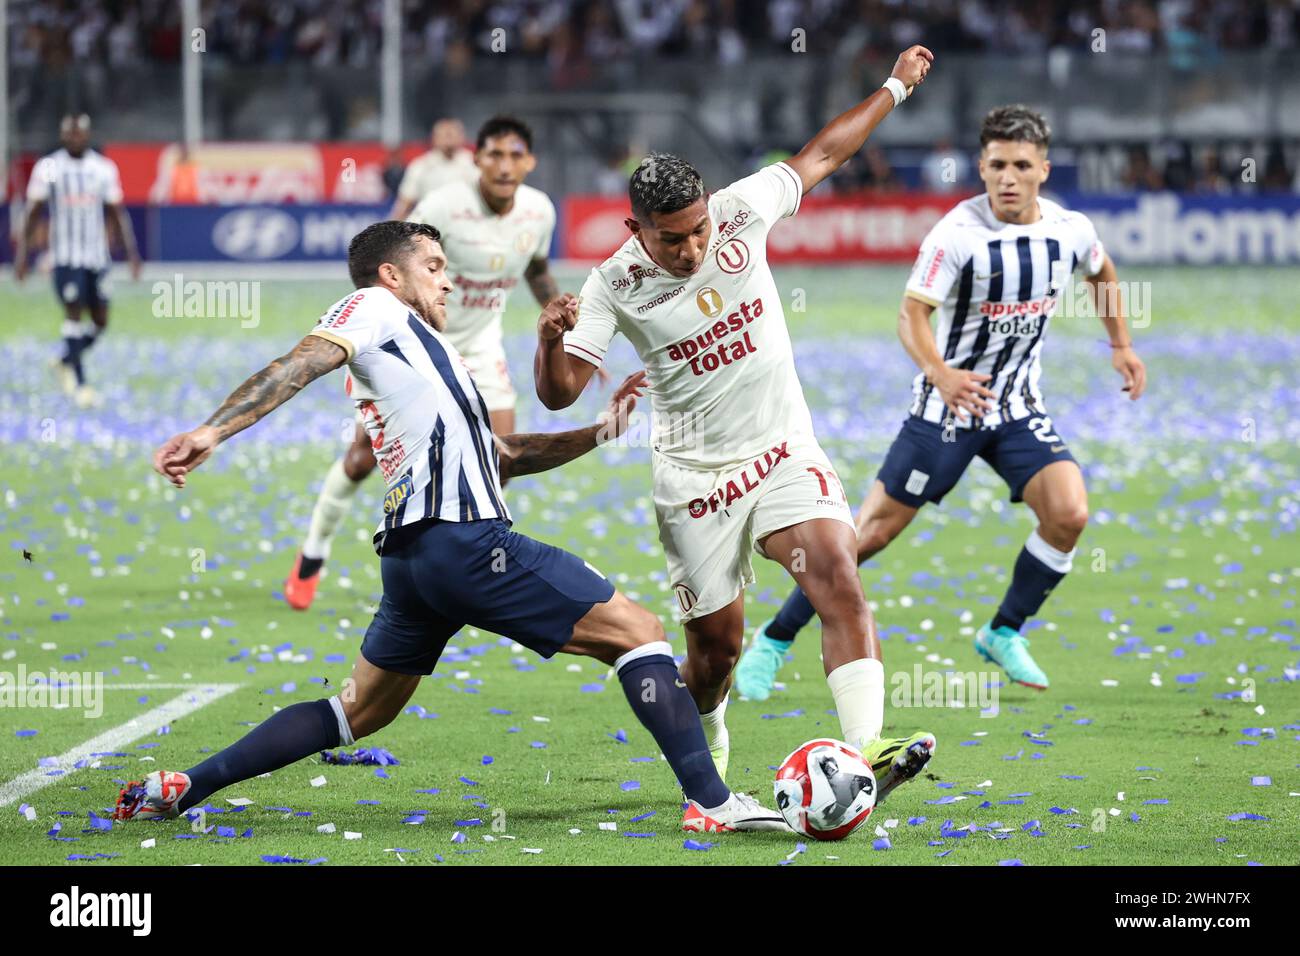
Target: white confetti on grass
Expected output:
[318,781]
[239,801]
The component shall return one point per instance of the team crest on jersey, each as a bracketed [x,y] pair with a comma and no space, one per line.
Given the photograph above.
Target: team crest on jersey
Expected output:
[733,257]
[397,494]
[686,598]
[710,301]
[525,241]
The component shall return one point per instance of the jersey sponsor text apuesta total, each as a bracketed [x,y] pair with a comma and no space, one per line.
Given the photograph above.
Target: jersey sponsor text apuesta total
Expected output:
[715,346]
[995,285]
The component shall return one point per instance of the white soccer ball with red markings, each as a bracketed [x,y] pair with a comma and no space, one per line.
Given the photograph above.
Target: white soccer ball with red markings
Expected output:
[825,790]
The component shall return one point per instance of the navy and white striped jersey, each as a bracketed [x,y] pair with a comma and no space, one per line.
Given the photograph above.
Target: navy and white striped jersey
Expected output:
[76,190]
[994,286]
[428,426]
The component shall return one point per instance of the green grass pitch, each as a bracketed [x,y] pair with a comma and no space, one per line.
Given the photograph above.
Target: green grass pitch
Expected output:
[1173,647]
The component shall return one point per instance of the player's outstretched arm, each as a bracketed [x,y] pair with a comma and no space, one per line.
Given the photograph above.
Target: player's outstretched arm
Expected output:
[560,377]
[529,454]
[843,136]
[1105,291]
[961,389]
[250,403]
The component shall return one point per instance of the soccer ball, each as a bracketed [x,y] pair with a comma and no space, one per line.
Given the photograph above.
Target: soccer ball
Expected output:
[825,790]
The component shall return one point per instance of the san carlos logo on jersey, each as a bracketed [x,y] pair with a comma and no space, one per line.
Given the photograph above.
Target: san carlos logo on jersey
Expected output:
[710,301]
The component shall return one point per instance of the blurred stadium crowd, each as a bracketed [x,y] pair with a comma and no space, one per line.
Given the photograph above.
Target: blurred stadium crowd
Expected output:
[325,32]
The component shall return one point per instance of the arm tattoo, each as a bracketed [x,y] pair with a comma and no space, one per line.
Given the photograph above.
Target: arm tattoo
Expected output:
[529,454]
[541,281]
[276,384]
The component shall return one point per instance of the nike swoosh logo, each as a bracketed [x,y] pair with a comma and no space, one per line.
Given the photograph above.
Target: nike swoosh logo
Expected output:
[1056,448]
[678,683]
[989,276]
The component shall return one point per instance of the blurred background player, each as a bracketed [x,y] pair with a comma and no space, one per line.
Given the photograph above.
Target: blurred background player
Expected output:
[736,466]
[995,268]
[74,184]
[442,538]
[447,161]
[495,230]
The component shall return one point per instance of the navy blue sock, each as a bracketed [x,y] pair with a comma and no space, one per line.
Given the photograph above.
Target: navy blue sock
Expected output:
[665,707]
[283,738]
[1031,582]
[794,614]
[72,356]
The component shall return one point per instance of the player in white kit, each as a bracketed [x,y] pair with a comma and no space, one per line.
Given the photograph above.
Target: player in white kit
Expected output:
[735,463]
[495,231]
[993,272]
[76,184]
[447,161]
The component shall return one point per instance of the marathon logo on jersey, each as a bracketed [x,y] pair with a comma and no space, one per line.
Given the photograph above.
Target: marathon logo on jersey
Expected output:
[659,300]
[340,317]
[933,270]
[636,274]
[736,488]
[699,350]
[397,494]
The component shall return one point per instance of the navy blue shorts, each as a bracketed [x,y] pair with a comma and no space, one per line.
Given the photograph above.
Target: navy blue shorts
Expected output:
[922,467]
[448,574]
[85,287]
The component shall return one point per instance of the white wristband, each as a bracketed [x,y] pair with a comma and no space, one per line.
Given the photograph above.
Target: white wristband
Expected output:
[896,89]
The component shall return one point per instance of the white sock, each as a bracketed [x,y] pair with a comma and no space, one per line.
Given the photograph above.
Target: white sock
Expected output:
[1059,561]
[332,505]
[715,729]
[858,689]
[345,731]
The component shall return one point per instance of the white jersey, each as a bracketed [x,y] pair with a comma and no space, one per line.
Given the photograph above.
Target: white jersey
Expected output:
[429,428]
[715,347]
[994,286]
[487,254]
[432,170]
[76,190]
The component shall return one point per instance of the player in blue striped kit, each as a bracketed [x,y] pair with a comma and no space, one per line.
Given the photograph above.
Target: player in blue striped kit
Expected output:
[448,556]
[993,270]
[76,183]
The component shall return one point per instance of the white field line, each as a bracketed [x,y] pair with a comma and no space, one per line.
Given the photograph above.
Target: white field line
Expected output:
[114,739]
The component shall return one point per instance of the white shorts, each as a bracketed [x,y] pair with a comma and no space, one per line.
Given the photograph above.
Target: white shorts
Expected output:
[710,521]
[491,376]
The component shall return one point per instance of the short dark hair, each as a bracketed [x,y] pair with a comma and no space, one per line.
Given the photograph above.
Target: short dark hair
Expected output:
[1018,124]
[504,126]
[663,182]
[382,242]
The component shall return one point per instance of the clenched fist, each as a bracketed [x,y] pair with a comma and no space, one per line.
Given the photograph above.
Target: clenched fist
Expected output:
[912,66]
[560,315]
